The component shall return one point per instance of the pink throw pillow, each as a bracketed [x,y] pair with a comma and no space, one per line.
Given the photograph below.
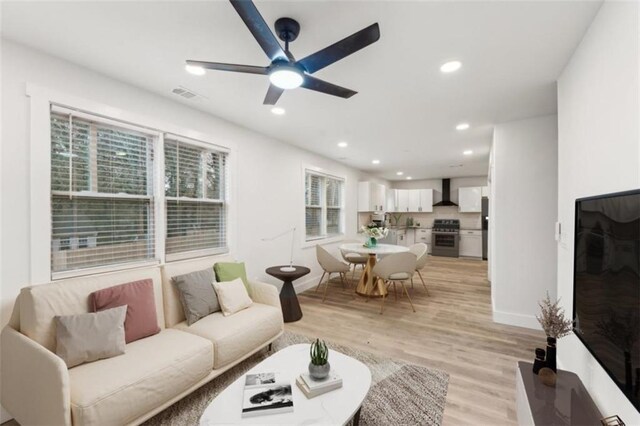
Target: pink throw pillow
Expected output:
[141,320]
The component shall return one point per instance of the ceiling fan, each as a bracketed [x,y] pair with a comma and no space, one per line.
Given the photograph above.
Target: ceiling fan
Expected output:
[285,72]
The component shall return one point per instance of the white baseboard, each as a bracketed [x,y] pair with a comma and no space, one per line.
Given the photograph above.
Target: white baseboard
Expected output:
[300,286]
[519,320]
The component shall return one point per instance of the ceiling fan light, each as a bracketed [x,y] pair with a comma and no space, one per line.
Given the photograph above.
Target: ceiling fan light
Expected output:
[286,77]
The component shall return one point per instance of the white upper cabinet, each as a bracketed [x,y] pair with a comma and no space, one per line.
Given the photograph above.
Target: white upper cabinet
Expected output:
[392,200]
[414,200]
[410,200]
[371,197]
[403,200]
[470,199]
[426,200]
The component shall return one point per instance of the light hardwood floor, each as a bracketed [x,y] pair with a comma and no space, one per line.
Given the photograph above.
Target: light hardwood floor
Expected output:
[452,330]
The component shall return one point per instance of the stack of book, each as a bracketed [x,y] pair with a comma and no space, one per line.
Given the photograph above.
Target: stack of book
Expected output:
[312,388]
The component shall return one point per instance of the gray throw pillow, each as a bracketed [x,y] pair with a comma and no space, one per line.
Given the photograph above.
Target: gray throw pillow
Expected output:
[90,337]
[197,295]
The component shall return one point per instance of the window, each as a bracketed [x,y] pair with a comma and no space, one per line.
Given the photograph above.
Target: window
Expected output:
[323,205]
[195,192]
[101,193]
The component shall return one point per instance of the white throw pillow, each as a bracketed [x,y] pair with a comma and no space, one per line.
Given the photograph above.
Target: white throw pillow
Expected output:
[233,296]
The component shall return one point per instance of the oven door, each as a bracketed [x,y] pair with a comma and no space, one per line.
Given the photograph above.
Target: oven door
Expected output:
[444,244]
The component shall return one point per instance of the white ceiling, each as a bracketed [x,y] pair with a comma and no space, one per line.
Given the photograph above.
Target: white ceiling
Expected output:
[406,110]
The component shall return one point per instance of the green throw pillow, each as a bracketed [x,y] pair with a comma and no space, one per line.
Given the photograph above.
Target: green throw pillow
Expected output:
[229,271]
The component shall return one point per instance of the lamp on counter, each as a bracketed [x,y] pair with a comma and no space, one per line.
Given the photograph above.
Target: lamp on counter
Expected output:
[289,268]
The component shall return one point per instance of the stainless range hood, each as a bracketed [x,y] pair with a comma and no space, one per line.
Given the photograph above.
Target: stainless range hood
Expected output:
[446,194]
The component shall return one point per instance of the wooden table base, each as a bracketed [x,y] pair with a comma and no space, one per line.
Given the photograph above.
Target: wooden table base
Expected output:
[368,285]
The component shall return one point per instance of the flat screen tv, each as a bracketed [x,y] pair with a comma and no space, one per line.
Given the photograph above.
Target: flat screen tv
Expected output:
[606,291]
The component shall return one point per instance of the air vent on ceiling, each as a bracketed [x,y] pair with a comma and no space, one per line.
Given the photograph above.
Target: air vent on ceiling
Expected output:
[187,93]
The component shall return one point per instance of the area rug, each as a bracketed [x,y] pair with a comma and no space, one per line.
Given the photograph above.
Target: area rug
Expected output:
[400,394]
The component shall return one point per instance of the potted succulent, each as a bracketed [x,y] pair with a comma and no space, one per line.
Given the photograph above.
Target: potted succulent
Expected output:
[319,366]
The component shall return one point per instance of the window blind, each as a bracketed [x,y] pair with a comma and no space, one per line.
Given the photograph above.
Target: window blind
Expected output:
[323,205]
[195,192]
[101,193]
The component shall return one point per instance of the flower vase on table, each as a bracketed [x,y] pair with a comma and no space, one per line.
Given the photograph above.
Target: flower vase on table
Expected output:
[371,242]
[373,233]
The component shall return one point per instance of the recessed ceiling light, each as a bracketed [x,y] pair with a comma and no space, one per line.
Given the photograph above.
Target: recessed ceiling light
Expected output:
[343,144]
[194,69]
[278,111]
[468,152]
[409,178]
[462,126]
[375,161]
[451,66]
[399,173]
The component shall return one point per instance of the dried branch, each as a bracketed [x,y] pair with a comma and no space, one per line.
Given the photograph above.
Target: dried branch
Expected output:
[552,318]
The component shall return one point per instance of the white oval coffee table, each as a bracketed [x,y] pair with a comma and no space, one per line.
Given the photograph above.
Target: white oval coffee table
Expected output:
[332,408]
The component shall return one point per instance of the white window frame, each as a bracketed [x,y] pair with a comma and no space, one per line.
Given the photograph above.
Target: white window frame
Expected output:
[322,239]
[170,257]
[41,99]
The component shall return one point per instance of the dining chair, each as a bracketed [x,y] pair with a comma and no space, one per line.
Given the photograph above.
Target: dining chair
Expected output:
[398,267]
[354,259]
[420,250]
[330,265]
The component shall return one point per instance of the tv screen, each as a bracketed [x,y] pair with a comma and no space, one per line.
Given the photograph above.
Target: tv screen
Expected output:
[606,292]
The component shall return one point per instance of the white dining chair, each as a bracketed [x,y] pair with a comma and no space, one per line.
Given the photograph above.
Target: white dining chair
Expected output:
[354,259]
[330,265]
[398,267]
[420,250]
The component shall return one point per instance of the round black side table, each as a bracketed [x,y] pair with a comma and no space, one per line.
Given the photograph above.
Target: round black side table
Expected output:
[290,306]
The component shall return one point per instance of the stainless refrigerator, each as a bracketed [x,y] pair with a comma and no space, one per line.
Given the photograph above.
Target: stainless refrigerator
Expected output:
[485,227]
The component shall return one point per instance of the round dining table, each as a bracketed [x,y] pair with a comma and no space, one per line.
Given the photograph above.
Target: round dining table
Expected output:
[368,286]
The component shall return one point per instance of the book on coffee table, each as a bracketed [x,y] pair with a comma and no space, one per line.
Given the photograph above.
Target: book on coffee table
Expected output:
[264,393]
[312,388]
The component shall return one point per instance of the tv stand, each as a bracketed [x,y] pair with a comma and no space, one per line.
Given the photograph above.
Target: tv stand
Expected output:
[568,403]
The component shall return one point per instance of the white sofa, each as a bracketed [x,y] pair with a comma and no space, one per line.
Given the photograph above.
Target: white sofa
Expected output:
[155,372]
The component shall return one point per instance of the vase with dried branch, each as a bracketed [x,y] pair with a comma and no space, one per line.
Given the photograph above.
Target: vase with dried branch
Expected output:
[555,326]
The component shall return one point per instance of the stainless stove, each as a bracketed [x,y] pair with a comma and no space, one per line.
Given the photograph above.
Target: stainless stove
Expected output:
[445,237]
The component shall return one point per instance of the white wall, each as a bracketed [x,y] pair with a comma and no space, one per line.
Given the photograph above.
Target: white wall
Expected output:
[599,153]
[523,214]
[268,173]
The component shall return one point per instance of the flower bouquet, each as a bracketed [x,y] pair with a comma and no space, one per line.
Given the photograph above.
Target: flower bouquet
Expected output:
[373,233]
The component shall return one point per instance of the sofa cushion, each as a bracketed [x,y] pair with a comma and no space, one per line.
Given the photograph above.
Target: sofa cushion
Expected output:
[197,295]
[173,312]
[39,304]
[89,337]
[239,334]
[151,372]
[229,271]
[233,296]
[141,320]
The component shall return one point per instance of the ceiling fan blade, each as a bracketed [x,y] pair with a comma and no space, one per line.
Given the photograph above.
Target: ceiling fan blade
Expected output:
[322,86]
[249,69]
[273,94]
[259,28]
[343,48]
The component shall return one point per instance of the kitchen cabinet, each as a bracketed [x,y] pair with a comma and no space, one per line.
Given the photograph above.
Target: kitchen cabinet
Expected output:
[485,191]
[470,199]
[403,200]
[410,200]
[470,243]
[424,236]
[410,237]
[371,197]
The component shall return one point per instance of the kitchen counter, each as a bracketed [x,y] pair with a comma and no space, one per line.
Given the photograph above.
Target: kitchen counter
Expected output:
[409,227]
